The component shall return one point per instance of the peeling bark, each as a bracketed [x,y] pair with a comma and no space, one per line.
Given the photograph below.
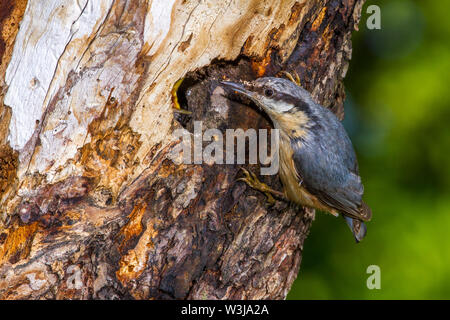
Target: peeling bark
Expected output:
[94,203]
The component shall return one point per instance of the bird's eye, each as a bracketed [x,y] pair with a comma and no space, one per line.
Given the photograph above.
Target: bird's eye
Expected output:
[268,93]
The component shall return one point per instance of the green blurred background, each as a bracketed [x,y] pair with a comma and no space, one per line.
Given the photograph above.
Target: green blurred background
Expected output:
[397,114]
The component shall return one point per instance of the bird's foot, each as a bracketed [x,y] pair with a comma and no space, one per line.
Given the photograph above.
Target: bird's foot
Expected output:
[253,182]
[295,80]
[176,104]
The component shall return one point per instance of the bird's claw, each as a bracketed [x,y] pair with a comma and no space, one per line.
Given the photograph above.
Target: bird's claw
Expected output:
[295,80]
[253,182]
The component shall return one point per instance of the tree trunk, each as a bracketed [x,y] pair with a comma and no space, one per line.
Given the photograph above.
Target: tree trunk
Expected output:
[94,202]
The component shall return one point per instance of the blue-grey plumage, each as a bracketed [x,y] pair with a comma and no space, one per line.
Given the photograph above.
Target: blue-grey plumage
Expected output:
[318,166]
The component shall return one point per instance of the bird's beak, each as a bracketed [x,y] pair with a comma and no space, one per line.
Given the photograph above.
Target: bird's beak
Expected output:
[237,88]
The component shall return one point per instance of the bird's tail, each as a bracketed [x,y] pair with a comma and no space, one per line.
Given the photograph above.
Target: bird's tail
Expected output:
[357,227]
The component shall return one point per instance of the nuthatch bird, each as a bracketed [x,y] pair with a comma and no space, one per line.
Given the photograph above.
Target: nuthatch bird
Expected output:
[318,166]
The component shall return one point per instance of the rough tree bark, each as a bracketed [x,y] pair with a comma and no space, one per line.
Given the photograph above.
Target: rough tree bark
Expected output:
[94,204]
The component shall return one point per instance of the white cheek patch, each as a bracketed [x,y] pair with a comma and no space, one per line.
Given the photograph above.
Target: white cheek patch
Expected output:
[278,106]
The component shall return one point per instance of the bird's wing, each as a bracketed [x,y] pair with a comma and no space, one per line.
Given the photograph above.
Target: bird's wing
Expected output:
[328,169]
